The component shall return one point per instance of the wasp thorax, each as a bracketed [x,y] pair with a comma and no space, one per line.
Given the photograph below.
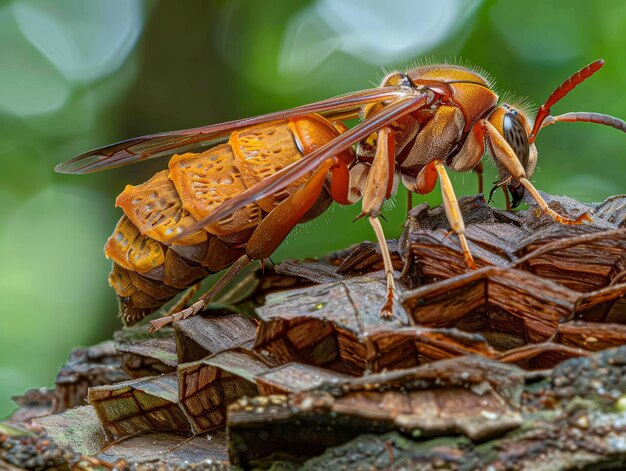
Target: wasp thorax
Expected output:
[396,79]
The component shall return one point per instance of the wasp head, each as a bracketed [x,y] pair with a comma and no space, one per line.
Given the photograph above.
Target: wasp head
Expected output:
[513,124]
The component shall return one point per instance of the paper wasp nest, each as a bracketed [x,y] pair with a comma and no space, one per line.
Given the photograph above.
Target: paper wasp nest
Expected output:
[498,357]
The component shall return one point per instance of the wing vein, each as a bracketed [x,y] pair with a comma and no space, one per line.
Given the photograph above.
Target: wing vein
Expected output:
[168,143]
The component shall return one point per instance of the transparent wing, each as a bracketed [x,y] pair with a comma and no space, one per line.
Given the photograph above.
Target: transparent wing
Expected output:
[168,143]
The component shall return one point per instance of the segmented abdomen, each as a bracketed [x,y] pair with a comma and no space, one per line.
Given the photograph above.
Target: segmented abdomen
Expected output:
[148,269]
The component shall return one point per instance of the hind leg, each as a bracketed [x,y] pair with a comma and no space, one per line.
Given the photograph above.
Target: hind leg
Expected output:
[200,304]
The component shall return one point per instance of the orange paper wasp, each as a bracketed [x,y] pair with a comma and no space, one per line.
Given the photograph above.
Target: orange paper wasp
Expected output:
[238,200]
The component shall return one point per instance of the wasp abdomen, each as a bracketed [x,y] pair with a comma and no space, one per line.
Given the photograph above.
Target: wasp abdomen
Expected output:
[148,268]
[204,181]
[146,273]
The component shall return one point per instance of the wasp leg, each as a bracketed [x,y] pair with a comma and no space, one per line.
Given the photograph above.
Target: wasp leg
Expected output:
[435,140]
[274,228]
[453,212]
[505,155]
[358,179]
[201,303]
[183,301]
[471,154]
[279,222]
[547,210]
[387,309]
[479,173]
[379,183]
[378,188]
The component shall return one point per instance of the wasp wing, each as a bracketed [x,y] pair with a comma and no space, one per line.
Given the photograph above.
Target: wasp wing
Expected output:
[283,178]
[168,143]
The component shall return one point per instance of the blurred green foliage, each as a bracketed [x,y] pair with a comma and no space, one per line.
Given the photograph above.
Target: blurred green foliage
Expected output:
[75,75]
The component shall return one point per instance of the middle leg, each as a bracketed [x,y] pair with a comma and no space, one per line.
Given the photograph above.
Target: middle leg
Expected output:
[378,187]
[453,212]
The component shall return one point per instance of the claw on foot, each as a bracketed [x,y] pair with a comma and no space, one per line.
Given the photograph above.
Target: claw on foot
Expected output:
[467,255]
[386,311]
[585,217]
[469,260]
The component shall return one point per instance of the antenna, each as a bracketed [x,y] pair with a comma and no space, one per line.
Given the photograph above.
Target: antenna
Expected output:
[563,89]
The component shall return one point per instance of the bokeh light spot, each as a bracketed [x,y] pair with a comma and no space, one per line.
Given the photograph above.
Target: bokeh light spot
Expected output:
[29,84]
[544,35]
[84,40]
[374,32]
[51,279]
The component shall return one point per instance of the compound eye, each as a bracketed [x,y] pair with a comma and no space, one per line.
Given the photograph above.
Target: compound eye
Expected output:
[405,81]
[516,136]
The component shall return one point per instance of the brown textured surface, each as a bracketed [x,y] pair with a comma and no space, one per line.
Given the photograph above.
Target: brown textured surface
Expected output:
[139,406]
[476,397]
[571,415]
[200,336]
[207,386]
[517,314]
[87,367]
[499,238]
[144,355]
[516,345]
[321,325]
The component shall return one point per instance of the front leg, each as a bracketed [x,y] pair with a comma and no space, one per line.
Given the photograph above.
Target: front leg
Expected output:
[470,156]
[504,154]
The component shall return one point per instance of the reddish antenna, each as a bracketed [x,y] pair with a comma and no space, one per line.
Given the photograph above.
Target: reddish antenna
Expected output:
[586,117]
[563,89]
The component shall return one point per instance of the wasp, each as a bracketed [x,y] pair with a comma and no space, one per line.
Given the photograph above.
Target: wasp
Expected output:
[236,201]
